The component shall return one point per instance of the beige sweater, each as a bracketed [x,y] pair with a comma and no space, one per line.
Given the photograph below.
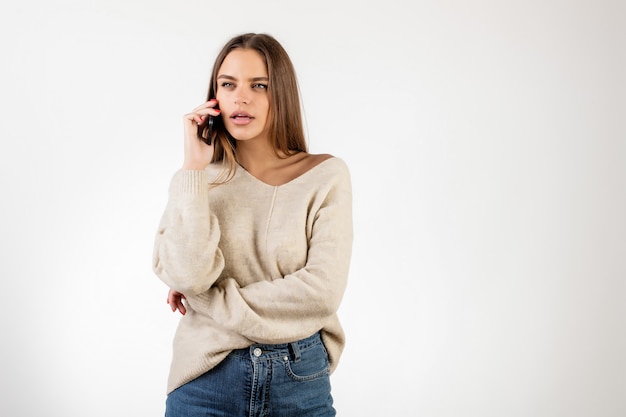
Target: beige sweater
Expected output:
[257,263]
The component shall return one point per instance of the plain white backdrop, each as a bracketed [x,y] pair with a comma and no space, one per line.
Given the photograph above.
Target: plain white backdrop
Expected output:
[487,146]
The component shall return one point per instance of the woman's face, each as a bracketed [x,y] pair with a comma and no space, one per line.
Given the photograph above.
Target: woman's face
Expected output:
[242,94]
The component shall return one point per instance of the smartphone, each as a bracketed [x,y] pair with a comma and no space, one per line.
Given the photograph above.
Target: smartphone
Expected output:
[205,130]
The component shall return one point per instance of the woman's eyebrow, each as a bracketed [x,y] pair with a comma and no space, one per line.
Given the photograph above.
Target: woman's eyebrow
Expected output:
[230,77]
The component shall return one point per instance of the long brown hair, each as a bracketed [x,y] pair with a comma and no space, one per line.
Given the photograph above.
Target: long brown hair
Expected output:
[286,129]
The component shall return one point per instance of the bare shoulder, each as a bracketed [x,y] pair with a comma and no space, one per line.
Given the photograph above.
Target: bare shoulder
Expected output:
[293,167]
[304,162]
[312,160]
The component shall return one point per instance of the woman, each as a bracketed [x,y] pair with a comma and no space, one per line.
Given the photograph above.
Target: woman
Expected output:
[255,246]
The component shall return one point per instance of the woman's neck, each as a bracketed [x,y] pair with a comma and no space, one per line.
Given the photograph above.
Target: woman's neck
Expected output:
[263,163]
[258,156]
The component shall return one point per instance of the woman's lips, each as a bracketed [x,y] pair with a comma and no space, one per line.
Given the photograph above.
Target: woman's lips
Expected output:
[241,118]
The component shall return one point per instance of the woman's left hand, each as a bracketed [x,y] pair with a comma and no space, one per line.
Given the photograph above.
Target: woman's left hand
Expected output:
[175,300]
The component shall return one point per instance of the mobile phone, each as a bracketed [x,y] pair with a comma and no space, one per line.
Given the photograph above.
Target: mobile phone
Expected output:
[205,130]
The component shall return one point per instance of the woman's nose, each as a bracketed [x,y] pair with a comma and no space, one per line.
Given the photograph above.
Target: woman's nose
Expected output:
[241,97]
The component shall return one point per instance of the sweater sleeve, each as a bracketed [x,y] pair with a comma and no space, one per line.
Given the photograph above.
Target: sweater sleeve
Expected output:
[300,303]
[186,256]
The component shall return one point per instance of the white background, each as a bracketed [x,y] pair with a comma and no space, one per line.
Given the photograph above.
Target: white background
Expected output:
[487,146]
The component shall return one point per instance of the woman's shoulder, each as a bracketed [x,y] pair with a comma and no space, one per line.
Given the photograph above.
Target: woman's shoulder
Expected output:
[322,169]
[309,161]
[322,163]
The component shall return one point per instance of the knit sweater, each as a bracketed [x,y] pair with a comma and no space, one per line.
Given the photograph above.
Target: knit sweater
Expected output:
[257,263]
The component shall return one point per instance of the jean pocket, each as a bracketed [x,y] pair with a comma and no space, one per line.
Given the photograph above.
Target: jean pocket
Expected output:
[313,364]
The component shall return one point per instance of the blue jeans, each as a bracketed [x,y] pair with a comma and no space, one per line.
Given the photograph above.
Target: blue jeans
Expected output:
[285,380]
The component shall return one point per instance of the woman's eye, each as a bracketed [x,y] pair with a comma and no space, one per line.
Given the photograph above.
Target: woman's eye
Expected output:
[260,86]
[226,84]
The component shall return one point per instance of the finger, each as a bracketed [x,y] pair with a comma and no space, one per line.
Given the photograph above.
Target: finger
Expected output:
[171,302]
[209,111]
[171,297]
[175,305]
[174,299]
[200,116]
[181,308]
[194,118]
[207,104]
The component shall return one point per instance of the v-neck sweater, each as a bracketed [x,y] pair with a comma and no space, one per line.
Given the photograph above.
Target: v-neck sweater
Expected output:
[257,263]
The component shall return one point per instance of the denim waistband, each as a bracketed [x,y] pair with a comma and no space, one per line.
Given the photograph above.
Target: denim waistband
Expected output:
[270,351]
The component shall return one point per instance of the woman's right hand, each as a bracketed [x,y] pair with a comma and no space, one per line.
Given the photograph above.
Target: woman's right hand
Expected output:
[175,300]
[197,153]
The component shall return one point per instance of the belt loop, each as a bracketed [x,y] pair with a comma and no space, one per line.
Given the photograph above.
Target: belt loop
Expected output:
[295,351]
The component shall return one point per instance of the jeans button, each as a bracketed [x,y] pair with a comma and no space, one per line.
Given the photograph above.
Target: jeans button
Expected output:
[257,352]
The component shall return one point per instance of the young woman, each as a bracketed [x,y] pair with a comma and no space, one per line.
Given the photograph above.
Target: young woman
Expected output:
[255,245]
